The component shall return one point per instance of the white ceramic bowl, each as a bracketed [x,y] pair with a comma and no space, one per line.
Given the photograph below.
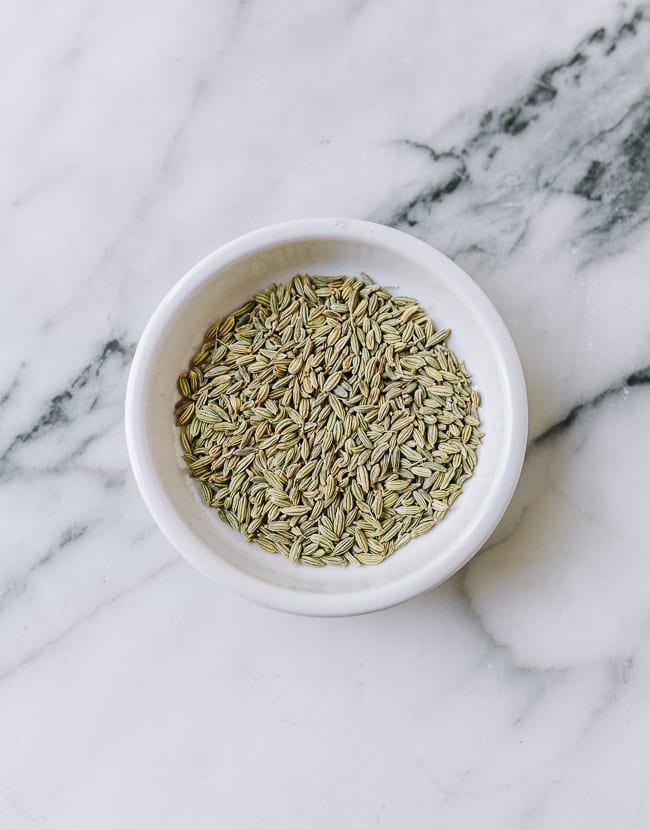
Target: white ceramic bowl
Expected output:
[230,276]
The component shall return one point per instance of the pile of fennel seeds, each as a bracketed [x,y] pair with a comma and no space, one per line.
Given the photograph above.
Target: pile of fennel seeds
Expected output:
[328,420]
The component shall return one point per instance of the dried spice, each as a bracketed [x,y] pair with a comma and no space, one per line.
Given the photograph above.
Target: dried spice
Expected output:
[328,420]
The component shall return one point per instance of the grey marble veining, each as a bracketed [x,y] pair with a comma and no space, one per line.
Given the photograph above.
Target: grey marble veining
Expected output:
[137,138]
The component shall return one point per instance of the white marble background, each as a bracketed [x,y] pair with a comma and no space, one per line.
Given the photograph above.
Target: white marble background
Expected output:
[137,137]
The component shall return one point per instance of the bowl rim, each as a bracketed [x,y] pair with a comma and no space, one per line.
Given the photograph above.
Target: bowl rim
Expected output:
[199,554]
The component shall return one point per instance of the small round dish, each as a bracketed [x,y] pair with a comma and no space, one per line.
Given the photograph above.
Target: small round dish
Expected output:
[228,277]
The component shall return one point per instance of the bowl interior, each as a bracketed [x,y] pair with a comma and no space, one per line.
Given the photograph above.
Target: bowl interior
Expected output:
[213,289]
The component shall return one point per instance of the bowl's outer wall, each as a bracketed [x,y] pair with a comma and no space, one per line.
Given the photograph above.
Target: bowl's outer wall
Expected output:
[230,276]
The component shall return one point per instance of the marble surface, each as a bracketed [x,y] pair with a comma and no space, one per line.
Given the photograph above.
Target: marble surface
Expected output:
[137,137]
